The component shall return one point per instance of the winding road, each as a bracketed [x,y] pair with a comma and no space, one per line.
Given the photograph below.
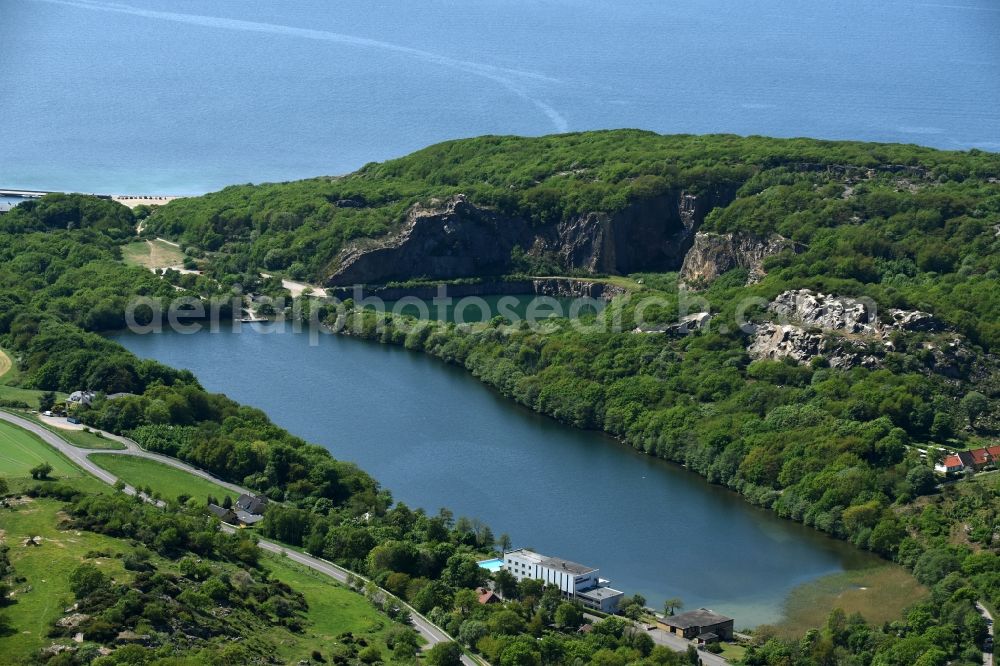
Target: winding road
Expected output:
[81,457]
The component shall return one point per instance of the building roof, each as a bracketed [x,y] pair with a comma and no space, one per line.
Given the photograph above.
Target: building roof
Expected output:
[221,513]
[487,596]
[599,593]
[972,458]
[252,504]
[984,456]
[696,618]
[552,562]
[952,462]
[248,518]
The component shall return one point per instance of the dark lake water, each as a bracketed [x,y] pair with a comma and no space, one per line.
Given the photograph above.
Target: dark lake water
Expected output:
[182,96]
[435,437]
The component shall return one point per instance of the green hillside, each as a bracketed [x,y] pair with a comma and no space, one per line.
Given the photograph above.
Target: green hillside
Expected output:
[839,428]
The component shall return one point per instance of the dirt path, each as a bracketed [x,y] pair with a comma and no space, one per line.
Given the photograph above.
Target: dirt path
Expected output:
[298,288]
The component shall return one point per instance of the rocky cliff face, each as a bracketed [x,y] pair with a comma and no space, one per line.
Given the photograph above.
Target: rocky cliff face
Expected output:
[454,239]
[457,238]
[712,254]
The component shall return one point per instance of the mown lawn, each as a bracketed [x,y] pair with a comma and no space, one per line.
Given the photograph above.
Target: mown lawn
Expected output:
[879,593]
[168,481]
[333,609]
[42,598]
[88,440]
[20,451]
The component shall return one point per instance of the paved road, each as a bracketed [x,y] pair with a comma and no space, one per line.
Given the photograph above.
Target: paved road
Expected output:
[431,632]
[987,656]
[77,455]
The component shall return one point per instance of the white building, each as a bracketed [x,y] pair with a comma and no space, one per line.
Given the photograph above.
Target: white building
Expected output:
[574,580]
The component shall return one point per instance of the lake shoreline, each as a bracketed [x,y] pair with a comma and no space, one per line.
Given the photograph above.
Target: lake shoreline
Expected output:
[634,567]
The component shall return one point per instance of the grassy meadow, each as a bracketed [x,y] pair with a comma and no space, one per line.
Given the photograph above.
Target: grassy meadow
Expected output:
[20,451]
[152,254]
[44,595]
[333,610]
[86,439]
[168,482]
[41,599]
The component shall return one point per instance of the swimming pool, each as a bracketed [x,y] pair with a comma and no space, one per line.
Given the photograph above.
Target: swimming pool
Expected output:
[492,566]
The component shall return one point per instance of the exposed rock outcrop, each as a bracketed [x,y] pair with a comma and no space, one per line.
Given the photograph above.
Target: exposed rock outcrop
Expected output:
[845,314]
[686,325]
[456,238]
[776,341]
[847,331]
[573,288]
[713,254]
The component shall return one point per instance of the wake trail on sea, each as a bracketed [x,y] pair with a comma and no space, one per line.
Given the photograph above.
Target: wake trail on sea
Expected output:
[513,80]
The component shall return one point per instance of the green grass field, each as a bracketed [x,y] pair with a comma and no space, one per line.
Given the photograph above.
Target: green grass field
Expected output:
[333,609]
[20,451]
[152,254]
[880,593]
[89,440]
[168,481]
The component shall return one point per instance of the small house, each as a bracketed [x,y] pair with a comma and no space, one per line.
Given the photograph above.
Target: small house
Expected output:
[696,623]
[487,596]
[223,514]
[974,460]
[251,504]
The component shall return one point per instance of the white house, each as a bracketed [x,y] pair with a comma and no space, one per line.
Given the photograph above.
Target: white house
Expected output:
[576,581]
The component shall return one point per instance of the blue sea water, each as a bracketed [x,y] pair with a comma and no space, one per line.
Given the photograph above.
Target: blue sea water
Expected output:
[185,96]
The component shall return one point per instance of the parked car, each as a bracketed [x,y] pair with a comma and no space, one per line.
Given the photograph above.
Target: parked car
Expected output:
[73,420]
[47,412]
[988,644]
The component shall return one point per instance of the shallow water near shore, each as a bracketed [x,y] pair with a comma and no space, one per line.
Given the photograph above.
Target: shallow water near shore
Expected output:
[435,436]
